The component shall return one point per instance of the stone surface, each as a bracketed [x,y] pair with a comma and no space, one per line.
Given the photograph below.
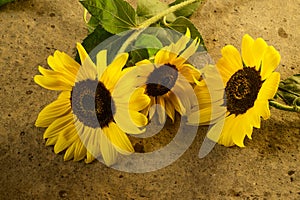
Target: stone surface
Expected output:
[268,168]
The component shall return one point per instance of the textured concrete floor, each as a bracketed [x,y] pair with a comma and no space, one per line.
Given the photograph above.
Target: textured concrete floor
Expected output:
[268,168]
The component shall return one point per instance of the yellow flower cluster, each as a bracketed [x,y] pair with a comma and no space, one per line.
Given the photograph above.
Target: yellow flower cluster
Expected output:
[100,103]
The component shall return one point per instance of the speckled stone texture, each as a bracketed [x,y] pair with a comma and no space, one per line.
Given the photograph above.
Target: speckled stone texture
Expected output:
[267,168]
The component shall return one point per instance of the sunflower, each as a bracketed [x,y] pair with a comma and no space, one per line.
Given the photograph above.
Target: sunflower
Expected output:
[167,78]
[250,82]
[91,115]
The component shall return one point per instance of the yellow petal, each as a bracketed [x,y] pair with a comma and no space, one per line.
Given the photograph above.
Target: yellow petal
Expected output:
[51,141]
[65,139]
[238,130]
[58,125]
[80,151]
[55,62]
[138,100]
[70,152]
[88,68]
[138,118]
[247,51]
[259,47]
[143,62]
[170,110]
[101,62]
[152,107]
[123,118]
[225,69]
[270,62]
[108,151]
[184,56]
[269,87]
[262,107]
[228,128]
[113,72]
[162,57]
[215,132]
[118,139]
[176,103]
[71,66]
[53,111]
[89,158]
[190,73]
[52,83]
[232,58]
[161,110]
[254,117]
[82,53]
[68,78]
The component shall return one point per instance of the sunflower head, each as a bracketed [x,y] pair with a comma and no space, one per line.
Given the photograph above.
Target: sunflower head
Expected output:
[95,108]
[249,83]
[167,77]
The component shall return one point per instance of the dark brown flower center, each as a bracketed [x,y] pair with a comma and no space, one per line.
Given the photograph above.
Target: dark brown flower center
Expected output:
[92,103]
[242,90]
[161,80]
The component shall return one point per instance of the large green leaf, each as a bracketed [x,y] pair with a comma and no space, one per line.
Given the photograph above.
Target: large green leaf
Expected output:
[115,16]
[180,25]
[94,39]
[149,8]
[289,90]
[186,11]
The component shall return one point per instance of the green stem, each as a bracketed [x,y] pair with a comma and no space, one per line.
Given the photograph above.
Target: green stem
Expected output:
[141,27]
[160,15]
[283,107]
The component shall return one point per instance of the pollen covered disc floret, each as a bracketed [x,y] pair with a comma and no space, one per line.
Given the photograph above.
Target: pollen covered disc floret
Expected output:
[242,89]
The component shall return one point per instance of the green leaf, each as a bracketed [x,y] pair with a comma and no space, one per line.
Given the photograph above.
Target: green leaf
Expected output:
[186,11]
[289,90]
[150,42]
[2,2]
[115,16]
[94,7]
[118,16]
[165,36]
[136,56]
[149,8]
[92,24]
[94,39]
[180,25]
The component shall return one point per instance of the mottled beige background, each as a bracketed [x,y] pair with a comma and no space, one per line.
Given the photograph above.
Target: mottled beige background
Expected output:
[268,168]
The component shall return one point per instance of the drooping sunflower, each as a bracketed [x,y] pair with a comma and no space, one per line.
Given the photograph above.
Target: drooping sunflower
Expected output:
[250,82]
[90,117]
[167,78]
